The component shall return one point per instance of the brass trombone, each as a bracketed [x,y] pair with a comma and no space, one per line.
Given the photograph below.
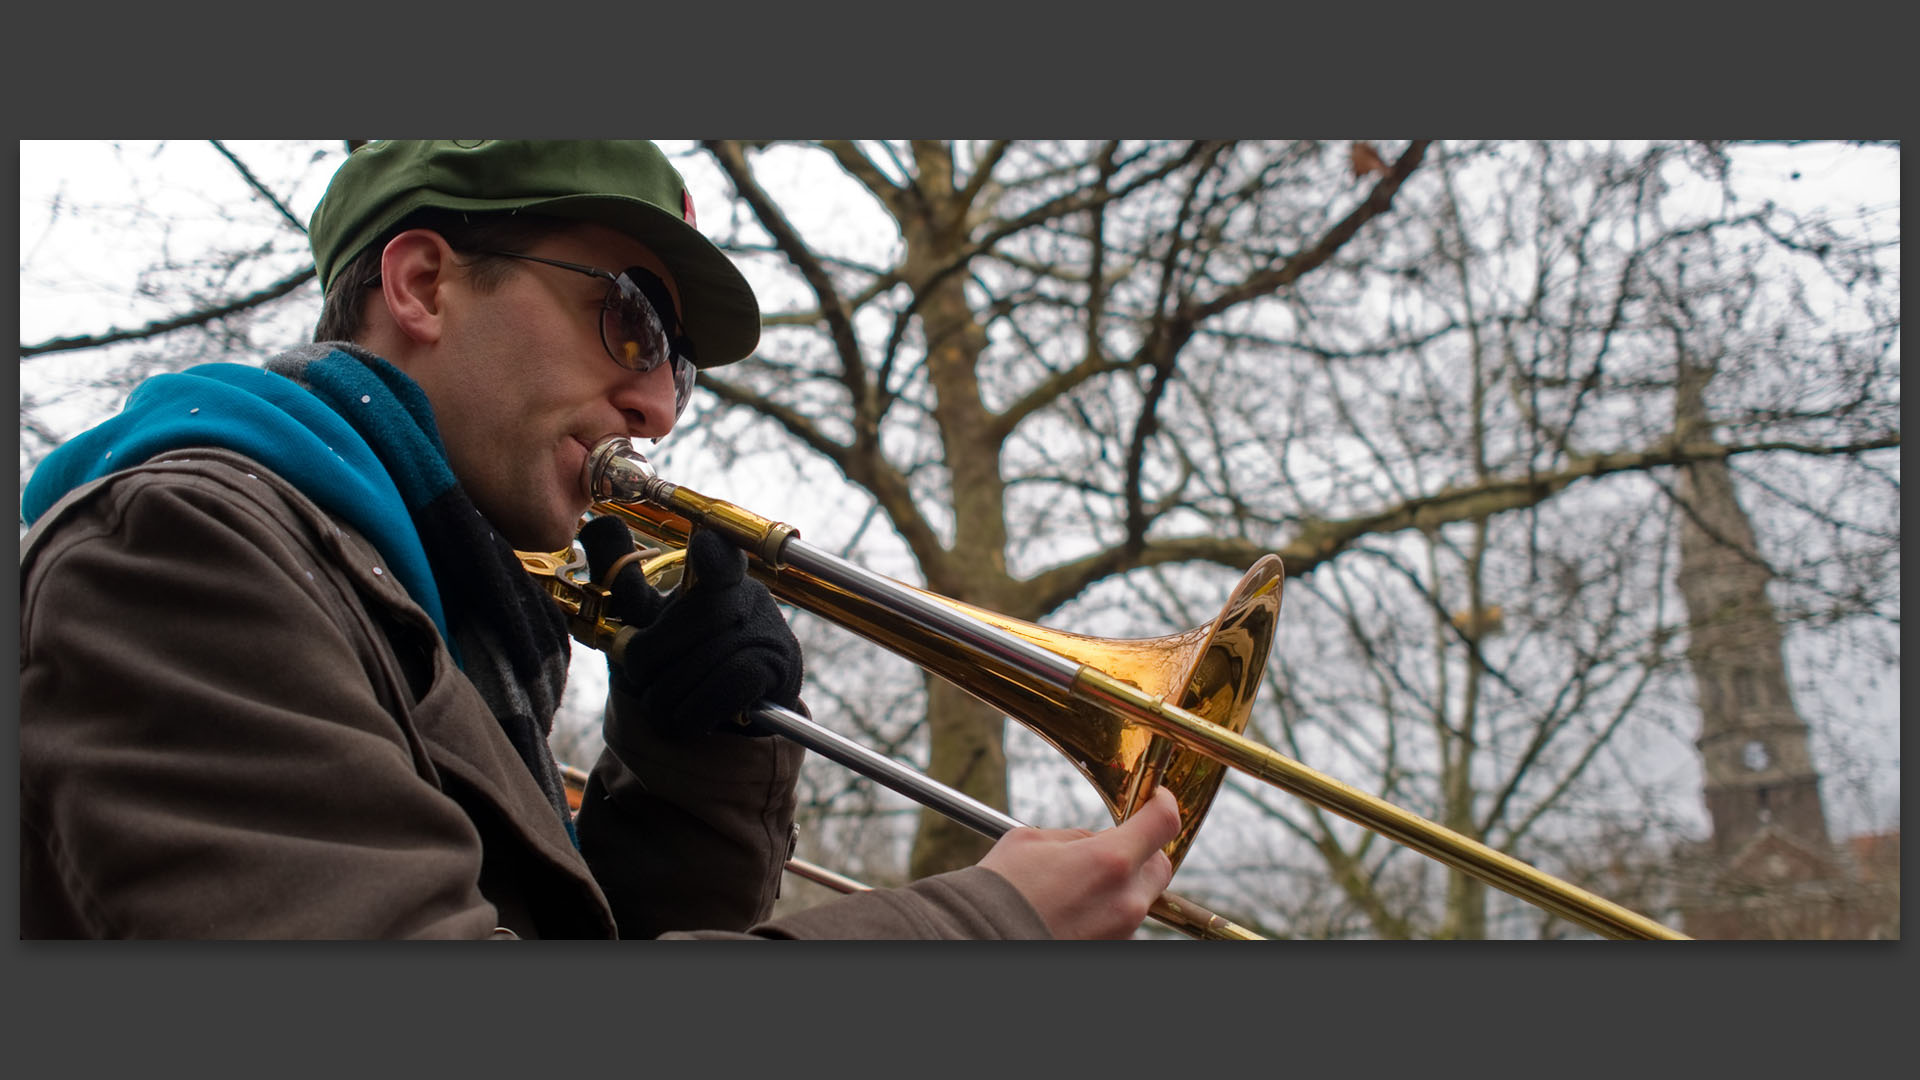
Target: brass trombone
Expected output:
[1128,714]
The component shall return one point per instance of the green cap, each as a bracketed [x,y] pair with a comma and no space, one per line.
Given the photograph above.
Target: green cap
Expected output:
[628,186]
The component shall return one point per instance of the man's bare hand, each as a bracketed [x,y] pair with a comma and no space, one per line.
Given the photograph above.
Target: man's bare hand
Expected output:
[1089,884]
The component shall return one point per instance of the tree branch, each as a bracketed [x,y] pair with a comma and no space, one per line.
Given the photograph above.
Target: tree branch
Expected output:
[983,171]
[1319,541]
[887,485]
[833,309]
[165,326]
[1165,343]
[862,168]
[254,183]
[1378,201]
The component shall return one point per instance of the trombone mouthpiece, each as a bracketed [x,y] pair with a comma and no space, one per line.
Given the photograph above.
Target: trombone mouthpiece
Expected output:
[616,472]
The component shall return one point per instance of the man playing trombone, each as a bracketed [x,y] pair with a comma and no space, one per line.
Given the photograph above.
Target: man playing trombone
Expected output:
[282,675]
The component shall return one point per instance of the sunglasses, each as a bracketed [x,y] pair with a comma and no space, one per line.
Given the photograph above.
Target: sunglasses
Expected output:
[631,326]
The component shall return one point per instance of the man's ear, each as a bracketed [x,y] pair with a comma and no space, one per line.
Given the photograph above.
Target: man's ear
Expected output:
[415,269]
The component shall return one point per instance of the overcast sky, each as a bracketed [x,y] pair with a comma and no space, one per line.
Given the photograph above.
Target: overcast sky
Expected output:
[80,275]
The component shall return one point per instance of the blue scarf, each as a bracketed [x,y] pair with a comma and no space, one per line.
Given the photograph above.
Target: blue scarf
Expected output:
[357,436]
[292,431]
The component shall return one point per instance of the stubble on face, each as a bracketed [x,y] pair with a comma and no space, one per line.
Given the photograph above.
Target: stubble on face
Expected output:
[523,388]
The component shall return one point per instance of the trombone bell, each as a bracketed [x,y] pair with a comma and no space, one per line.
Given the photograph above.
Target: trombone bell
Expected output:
[1212,671]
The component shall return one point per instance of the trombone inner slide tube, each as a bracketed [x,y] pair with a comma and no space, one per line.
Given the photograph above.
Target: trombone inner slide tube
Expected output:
[1102,703]
[1175,911]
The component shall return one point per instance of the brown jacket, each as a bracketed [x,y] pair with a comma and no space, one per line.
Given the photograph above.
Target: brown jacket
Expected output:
[235,723]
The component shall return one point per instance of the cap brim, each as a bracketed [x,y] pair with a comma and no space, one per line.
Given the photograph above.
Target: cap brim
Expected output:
[717,306]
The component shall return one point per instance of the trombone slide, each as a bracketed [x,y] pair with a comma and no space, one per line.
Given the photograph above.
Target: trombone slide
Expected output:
[1112,729]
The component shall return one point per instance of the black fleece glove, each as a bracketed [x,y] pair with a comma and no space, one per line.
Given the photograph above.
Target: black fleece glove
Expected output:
[701,656]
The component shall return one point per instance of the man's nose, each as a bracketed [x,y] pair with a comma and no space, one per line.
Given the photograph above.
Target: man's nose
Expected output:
[648,402]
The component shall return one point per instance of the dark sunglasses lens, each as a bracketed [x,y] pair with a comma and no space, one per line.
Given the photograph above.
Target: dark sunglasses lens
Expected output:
[683,372]
[648,284]
[638,340]
[633,331]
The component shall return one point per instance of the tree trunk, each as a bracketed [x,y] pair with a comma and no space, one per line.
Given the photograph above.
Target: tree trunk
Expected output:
[967,739]
[967,751]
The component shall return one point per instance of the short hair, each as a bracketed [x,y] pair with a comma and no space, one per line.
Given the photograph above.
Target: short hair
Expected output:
[343,311]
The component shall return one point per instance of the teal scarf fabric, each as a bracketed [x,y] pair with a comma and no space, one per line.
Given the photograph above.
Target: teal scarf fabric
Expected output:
[357,436]
[282,425]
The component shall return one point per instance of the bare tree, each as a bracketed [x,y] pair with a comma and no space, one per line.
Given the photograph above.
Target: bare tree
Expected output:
[1088,383]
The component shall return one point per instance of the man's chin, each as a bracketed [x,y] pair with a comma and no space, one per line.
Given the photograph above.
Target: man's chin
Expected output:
[560,539]
[553,533]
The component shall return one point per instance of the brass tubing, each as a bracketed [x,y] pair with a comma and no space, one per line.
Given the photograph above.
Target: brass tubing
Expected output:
[1469,856]
[1169,909]
[984,654]
[1175,911]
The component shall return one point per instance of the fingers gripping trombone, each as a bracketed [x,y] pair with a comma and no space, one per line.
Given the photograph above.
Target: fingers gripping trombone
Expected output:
[1132,716]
